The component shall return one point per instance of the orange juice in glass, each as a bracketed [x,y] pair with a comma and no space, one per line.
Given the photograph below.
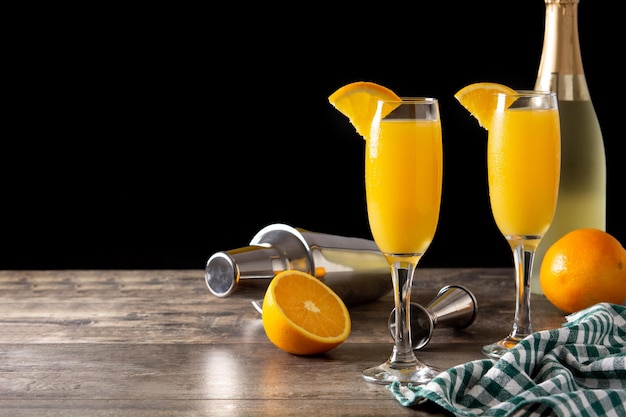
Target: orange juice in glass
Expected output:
[523,159]
[403,167]
[403,181]
[523,164]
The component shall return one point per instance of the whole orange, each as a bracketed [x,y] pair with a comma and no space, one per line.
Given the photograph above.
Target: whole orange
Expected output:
[583,268]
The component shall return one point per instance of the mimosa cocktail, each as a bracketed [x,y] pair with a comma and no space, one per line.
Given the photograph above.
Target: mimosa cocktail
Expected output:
[523,163]
[403,180]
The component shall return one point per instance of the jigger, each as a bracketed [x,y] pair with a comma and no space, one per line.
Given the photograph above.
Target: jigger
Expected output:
[453,306]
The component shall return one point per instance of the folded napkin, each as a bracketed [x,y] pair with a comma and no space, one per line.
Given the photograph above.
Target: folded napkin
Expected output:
[578,369]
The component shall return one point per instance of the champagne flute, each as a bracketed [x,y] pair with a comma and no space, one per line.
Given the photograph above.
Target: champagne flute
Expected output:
[403,182]
[523,164]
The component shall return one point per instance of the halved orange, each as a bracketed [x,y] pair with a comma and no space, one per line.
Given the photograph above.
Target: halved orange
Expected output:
[480,100]
[302,315]
[358,101]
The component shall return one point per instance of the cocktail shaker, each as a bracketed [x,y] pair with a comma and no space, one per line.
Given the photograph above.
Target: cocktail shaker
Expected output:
[353,267]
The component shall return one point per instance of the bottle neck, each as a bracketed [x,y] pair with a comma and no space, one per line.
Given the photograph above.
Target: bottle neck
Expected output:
[561,67]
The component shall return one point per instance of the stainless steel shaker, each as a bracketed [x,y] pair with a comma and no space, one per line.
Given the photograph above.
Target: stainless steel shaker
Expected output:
[353,267]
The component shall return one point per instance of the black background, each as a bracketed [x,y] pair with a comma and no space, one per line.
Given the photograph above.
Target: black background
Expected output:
[152,138]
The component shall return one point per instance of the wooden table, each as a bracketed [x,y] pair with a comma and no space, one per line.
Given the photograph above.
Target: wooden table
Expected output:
[158,343]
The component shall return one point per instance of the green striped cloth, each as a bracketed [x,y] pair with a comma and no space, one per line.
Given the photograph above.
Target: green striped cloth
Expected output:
[578,369]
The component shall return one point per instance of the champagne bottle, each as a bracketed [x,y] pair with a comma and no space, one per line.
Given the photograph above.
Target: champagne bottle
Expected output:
[582,189]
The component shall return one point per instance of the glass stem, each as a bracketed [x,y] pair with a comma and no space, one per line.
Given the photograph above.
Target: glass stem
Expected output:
[523,255]
[402,277]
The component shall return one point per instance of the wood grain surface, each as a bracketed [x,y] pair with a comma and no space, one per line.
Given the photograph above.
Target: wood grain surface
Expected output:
[158,343]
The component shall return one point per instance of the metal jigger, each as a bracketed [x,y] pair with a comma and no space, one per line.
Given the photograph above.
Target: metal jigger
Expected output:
[454,306]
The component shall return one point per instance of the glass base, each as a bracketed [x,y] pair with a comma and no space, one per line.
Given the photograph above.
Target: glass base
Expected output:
[388,372]
[499,348]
